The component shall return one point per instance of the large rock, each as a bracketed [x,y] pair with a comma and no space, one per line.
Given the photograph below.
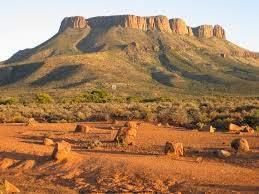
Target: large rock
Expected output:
[76,22]
[61,151]
[82,129]
[179,26]
[174,149]
[240,145]
[219,32]
[204,31]
[126,135]
[234,128]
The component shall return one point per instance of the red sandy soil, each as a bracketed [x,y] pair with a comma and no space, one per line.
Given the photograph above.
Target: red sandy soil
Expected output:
[143,167]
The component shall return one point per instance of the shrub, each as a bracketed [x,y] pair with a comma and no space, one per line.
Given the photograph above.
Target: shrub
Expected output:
[8,101]
[43,98]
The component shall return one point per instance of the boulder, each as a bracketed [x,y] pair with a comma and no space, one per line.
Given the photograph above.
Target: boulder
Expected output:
[174,149]
[179,26]
[126,135]
[48,142]
[234,128]
[10,188]
[76,22]
[82,129]
[240,145]
[223,153]
[61,151]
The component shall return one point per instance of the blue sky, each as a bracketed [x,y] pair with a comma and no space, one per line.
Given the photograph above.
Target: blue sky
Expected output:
[27,23]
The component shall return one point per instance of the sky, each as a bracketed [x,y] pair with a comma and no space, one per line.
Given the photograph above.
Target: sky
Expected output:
[27,23]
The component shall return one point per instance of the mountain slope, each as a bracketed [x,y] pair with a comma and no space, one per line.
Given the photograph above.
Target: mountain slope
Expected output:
[151,55]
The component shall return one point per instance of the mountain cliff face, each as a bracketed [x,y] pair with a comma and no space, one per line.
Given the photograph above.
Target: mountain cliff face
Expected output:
[139,54]
[154,23]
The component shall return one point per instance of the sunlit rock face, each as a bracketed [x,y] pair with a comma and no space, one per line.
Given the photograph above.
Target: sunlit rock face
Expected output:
[76,22]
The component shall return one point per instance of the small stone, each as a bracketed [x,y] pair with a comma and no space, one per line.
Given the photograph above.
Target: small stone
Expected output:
[48,142]
[208,128]
[199,160]
[82,129]
[223,153]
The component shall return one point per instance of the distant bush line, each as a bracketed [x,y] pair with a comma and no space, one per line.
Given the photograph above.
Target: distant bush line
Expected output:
[190,112]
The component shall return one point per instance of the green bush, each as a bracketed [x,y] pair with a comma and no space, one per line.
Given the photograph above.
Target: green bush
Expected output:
[43,98]
[8,101]
[95,96]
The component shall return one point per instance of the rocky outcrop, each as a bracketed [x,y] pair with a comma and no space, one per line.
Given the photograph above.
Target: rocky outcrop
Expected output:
[219,32]
[159,23]
[153,23]
[179,26]
[204,31]
[76,22]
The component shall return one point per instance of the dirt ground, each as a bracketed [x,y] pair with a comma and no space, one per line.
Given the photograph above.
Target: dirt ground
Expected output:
[26,162]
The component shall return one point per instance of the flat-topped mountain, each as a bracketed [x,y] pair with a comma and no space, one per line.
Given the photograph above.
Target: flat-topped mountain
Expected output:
[152,55]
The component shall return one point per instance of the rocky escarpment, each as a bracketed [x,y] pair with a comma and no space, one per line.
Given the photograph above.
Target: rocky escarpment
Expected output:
[179,26]
[160,23]
[208,31]
[153,23]
[76,22]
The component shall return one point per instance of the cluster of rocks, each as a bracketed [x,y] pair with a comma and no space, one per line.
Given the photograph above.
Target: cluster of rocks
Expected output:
[153,23]
[231,128]
[127,134]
